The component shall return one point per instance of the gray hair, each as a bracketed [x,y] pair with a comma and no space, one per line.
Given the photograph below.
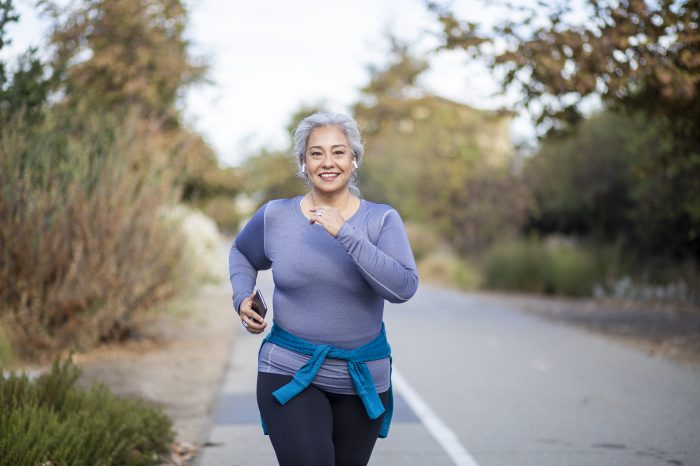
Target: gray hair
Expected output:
[320,119]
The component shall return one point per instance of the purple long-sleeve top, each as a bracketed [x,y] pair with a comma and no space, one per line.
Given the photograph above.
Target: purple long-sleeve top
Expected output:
[327,290]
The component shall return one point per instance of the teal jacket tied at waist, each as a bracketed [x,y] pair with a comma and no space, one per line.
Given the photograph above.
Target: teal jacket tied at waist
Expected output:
[359,372]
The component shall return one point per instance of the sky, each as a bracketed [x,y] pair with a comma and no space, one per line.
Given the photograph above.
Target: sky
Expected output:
[268,58]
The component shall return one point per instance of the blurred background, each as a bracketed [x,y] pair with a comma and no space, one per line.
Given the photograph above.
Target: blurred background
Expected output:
[540,147]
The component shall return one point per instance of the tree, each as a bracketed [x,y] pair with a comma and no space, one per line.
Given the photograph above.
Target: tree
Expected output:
[636,55]
[89,243]
[25,90]
[131,57]
[273,174]
[441,163]
[594,182]
[124,53]
[396,81]
[645,55]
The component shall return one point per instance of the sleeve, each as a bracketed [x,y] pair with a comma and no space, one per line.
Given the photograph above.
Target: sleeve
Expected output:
[247,256]
[389,267]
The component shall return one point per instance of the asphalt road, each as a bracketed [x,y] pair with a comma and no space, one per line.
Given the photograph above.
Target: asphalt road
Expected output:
[482,384]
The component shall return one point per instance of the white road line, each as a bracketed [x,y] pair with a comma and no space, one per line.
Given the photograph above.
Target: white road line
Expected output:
[443,434]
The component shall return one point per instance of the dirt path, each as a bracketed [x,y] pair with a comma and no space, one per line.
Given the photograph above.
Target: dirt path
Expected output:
[179,366]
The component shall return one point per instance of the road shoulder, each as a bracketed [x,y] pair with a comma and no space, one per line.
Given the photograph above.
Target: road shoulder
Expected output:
[179,366]
[657,329]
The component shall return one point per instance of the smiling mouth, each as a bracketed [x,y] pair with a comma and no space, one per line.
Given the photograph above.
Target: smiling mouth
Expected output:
[329,176]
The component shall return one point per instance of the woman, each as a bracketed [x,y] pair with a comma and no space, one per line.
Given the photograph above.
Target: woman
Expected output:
[335,258]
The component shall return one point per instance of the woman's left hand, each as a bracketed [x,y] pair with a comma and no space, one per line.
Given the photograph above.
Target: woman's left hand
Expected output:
[328,217]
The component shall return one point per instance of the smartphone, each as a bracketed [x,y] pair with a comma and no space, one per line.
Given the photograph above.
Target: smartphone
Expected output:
[259,305]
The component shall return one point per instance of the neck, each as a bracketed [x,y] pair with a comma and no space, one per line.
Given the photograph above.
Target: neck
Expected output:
[339,200]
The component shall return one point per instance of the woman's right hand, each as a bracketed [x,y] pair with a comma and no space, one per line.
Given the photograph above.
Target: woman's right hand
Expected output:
[252,321]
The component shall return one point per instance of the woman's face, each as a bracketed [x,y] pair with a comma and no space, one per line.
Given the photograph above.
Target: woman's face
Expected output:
[328,160]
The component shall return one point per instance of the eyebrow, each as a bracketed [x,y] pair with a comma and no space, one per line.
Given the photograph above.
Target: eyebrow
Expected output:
[332,147]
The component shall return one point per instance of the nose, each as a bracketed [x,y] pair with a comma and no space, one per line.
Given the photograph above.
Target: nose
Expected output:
[327,161]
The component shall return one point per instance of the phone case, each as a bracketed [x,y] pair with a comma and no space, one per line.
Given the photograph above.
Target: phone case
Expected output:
[259,305]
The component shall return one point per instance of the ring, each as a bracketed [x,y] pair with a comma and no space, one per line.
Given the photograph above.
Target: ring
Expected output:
[245,324]
[319,214]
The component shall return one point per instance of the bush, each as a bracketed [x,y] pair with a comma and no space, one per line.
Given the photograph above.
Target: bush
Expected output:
[574,271]
[49,421]
[224,211]
[423,240]
[6,352]
[85,248]
[448,270]
[201,254]
[606,181]
[533,266]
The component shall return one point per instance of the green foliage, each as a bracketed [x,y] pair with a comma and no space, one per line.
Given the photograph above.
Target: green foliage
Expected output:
[582,183]
[272,175]
[7,356]
[395,80]
[200,175]
[7,16]
[574,271]
[224,211]
[521,266]
[302,112]
[638,56]
[533,266]
[601,181]
[51,420]
[25,90]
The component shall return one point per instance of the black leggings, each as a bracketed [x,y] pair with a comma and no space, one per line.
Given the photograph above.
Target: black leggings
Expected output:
[316,427]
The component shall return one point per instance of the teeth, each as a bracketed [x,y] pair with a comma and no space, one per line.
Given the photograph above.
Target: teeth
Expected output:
[329,176]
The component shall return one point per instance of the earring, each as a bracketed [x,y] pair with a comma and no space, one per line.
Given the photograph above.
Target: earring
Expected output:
[354,162]
[303,168]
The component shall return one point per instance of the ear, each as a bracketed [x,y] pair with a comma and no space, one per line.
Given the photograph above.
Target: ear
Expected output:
[354,162]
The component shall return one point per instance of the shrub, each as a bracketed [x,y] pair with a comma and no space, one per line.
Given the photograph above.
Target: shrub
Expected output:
[574,271]
[466,276]
[448,270]
[533,266]
[50,421]
[201,254]
[224,210]
[519,265]
[423,240]
[85,250]
[6,352]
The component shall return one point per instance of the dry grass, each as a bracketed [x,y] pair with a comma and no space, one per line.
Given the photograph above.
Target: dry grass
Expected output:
[443,269]
[85,249]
